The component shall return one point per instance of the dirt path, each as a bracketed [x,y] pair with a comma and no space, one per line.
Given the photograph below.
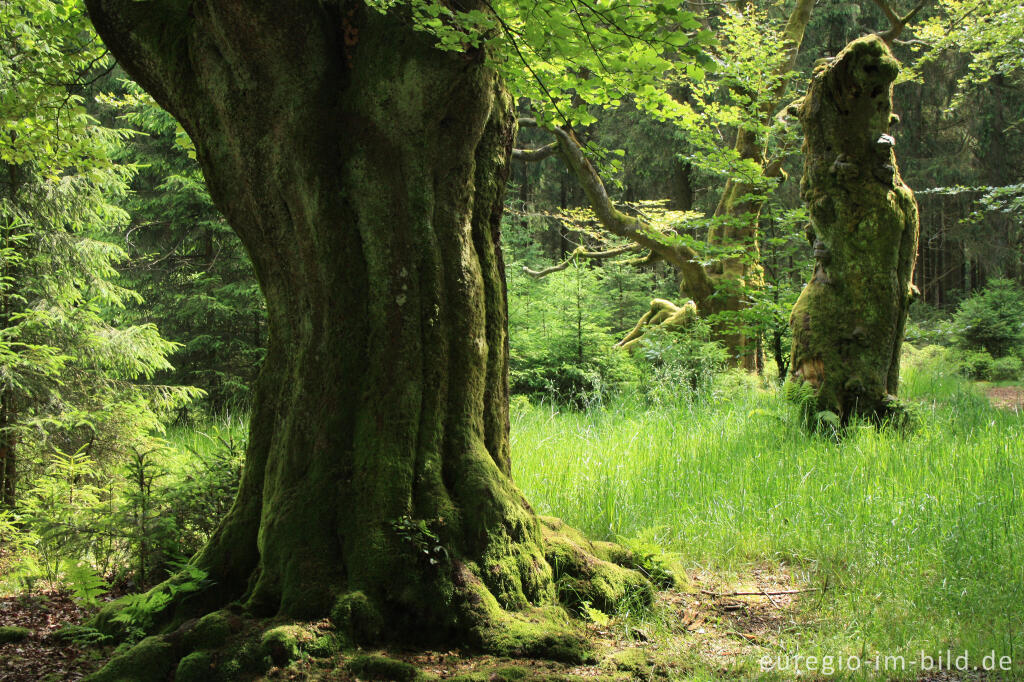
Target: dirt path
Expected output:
[1007,397]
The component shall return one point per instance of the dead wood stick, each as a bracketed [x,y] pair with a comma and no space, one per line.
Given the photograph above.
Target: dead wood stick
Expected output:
[762,593]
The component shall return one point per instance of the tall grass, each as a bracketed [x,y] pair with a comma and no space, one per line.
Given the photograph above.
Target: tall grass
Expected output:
[918,535]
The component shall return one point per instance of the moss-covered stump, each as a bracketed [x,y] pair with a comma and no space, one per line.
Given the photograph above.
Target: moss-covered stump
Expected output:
[848,323]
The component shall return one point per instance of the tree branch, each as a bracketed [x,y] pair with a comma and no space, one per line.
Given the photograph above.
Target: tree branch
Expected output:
[576,255]
[535,154]
[897,23]
[147,38]
[697,282]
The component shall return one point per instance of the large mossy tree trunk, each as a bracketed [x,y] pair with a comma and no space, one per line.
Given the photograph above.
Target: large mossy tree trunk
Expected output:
[364,171]
[848,322]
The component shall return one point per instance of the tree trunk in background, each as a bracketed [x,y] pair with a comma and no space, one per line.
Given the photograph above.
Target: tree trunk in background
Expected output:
[364,171]
[8,456]
[849,320]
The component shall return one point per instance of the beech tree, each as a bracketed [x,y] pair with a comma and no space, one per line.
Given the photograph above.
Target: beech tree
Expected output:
[363,167]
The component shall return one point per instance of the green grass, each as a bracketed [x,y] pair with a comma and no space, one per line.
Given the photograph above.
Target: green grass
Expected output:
[918,536]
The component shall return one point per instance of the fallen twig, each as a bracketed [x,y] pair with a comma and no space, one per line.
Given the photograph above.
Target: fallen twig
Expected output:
[760,593]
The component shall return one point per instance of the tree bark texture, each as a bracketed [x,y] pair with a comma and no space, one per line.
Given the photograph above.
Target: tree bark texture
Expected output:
[364,171]
[849,321]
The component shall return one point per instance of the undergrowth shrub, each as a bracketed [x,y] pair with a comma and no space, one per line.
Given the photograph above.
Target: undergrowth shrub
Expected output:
[1009,368]
[973,364]
[673,365]
[79,526]
[992,320]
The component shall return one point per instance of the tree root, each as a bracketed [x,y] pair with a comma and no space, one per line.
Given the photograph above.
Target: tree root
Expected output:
[229,643]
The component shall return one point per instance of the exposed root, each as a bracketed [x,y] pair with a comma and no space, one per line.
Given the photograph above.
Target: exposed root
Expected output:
[226,644]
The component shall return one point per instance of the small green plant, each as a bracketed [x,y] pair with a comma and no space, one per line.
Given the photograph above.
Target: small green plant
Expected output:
[86,585]
[650,556]
[425,542]
[140,611]
[83,635]
[803,395]
[596,616]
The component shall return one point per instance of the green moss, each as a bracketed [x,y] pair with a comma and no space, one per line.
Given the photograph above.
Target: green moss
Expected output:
[512,672]
[503,674]
[638,663]
[540,632]
[248,657]
[104,618]
[13,634]
[209,632]
[285,643]
[581,577]
[151,660]
[383,668]
[325,645]
[357,618]
[196,667]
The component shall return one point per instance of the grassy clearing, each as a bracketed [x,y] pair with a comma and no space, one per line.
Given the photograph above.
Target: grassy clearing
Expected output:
[917,538]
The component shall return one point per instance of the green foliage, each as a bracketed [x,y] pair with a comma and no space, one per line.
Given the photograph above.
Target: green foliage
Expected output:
[205,475]
[79,524]
[422,539]
[989,31]
[568,58]
[561,345]
[9,633]
[973,364]
[71,367]
[66,516]
[1009,368]
[992,320]
[86,585]
[186,262]
[138,612]
[673,364]
[658,564]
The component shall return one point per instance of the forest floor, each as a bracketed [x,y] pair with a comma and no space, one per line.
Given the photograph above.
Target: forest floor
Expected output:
[719,628]
[1007,397]
[716,629]
[41,656]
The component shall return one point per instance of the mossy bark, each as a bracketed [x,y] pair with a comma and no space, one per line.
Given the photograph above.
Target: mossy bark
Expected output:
[364,171]
[849,321]
[664,314]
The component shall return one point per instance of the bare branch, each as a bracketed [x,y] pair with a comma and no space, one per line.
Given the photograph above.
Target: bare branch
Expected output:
[896,22]
[535,154]
[888,12]
[576,255]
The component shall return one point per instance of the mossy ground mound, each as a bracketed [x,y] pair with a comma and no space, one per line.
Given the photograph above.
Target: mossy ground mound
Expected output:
[10,634]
